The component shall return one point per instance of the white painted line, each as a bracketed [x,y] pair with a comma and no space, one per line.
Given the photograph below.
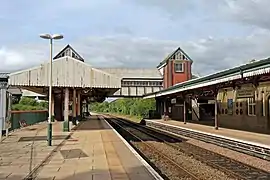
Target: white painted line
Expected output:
[147,166]
[216,135]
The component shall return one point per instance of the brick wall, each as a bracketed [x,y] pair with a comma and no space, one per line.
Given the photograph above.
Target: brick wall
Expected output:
[171,77]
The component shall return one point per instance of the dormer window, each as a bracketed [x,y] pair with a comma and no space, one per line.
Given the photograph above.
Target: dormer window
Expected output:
[178,67]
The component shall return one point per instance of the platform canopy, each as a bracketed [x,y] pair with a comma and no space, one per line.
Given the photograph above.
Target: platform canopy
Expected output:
[67,72]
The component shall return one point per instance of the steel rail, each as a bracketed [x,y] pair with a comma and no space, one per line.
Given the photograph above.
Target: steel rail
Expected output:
[253,150]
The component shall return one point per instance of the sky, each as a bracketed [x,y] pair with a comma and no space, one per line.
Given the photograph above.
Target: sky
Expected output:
[216,34]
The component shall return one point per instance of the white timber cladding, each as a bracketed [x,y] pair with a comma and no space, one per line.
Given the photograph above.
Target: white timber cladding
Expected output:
[140,91]
[148,90]
[135,91]
[132,91]
[67,72]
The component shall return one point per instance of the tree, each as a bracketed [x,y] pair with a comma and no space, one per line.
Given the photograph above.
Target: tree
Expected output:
[131,106]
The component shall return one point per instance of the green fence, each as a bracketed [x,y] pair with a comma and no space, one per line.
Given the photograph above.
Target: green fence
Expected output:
[30,117]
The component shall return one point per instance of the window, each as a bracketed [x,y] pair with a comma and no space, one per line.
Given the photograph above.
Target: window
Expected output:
[184,57]
[251,107]
[263,104]
[68,52]
[144,83]
[178,67]
[73,55]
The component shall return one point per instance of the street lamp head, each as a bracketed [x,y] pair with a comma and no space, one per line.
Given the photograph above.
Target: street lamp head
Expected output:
[45,36]
[57,36]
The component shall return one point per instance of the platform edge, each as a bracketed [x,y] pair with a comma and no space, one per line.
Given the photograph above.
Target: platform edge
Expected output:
[146,165]
[216,135]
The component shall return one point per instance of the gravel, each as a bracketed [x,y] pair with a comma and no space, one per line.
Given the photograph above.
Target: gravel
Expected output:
[241,157]
[192,165]
[165,166]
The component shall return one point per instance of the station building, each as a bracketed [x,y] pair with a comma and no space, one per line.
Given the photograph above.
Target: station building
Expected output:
[237,98]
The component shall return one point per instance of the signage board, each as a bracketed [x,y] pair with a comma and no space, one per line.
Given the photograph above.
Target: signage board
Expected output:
[173,101]
[245,93]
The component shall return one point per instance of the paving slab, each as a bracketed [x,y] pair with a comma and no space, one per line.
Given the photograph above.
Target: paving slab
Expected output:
[94,151]
[25,149]
[97,153]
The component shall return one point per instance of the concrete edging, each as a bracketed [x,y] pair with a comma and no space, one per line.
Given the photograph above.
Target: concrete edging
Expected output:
[146,165]
[215,135]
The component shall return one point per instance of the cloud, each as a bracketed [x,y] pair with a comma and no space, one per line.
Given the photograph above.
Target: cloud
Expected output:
[10,60]
[142,32]
[175,7]
[209,54]
[251,12]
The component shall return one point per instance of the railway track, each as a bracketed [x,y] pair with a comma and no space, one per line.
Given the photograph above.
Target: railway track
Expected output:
[150,151]
[232,168]
[253,150]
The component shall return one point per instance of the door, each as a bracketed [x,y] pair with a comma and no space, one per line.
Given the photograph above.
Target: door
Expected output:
[178,112]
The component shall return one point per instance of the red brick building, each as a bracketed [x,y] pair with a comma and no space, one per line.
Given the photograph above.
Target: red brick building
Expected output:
[175,68]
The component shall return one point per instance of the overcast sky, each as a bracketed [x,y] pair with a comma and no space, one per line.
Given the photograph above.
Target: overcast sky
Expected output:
[217,34]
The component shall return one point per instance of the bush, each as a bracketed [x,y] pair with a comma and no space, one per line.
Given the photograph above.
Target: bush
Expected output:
[26,104]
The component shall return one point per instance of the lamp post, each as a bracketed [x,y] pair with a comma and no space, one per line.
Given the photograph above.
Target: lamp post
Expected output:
[51,38]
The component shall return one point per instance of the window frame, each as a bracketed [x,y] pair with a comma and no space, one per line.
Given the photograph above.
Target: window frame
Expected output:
[251,105]
[175,67]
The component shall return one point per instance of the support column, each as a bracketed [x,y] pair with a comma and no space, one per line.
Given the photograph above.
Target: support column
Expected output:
[87,107]
[79,106]
[74,108]
[66,122]
[158,108]
[2,109]
[52,108]
[216,114]
[185,115]
[165,107]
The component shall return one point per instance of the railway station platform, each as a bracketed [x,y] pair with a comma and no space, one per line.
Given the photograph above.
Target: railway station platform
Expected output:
[92,150]
[238,135]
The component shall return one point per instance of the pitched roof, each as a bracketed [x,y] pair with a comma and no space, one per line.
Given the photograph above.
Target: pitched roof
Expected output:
[171,54]
[246,70]
[4,75]
[64,49]
[133,73]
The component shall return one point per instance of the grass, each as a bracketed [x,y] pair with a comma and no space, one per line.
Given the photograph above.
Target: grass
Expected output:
[136,119]
[129,117]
